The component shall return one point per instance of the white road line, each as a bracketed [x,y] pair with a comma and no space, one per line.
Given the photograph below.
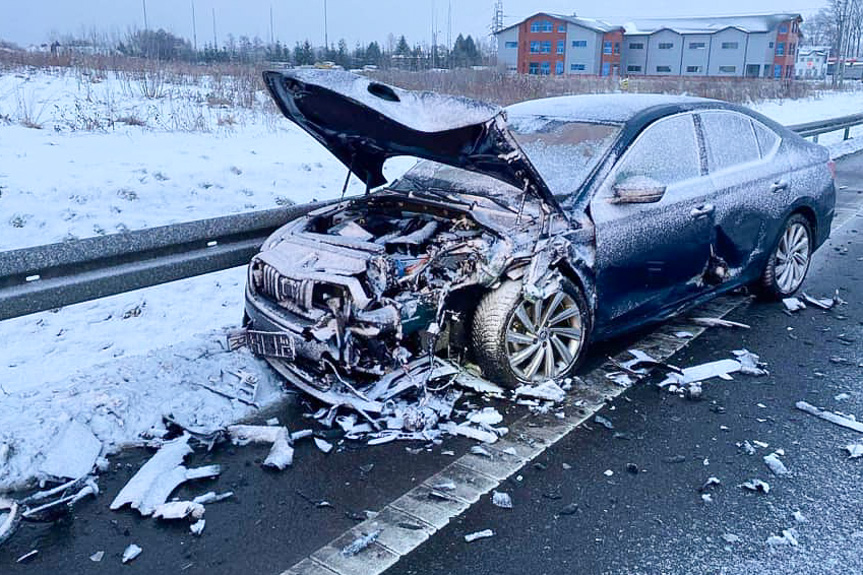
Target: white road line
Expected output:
[410,520]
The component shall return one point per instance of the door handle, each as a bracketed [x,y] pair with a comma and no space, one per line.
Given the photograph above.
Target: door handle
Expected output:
[779,186]
[702,212]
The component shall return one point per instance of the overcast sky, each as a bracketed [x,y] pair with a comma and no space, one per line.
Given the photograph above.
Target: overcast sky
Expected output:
[33,21]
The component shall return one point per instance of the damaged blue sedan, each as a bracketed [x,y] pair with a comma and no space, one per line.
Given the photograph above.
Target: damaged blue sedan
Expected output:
[522,234]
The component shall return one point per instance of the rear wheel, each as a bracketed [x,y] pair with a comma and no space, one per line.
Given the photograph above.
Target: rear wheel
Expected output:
[517,341]
[788,264]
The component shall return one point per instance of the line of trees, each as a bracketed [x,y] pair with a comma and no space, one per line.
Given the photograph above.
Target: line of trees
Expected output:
[395,53]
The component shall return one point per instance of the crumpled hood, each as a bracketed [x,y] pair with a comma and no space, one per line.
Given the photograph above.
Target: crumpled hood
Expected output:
[363,123]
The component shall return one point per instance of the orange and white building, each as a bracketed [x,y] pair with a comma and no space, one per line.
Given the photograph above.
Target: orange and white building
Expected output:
[752,46]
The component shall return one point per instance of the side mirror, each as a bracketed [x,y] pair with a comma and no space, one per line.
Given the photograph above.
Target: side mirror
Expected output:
[638,190]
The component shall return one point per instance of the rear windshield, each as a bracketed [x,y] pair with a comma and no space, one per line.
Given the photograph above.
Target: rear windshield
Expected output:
[563,152]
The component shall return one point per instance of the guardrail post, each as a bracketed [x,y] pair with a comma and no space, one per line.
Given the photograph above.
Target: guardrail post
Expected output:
[815,138]
[847,133]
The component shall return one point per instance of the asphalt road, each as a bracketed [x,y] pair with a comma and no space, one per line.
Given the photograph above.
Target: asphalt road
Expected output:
[653,521]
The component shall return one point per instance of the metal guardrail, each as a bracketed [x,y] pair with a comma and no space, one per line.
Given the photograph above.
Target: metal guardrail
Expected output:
[815,129]
[47,277]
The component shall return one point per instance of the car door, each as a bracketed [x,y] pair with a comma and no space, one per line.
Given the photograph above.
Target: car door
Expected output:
[649,255]
[750,179]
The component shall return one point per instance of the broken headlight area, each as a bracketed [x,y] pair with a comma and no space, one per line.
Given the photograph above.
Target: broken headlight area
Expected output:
[362,290]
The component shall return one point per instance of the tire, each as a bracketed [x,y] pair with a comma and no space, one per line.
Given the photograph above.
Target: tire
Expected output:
[504,329]
[789,261]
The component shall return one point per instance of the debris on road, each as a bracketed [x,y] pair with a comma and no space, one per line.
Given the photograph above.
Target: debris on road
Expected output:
[9,518]
[789,537]
[570,509]
[281,454]
[750,363]
[361,543]
[156,480]
[775,465]
[829,416]
[698,373]
[717,322]
[27,556]
[603,421]
[855,450]
[548,391]
[484,534]
[131,553]
[799,517]
[792,304]
[711,481]
[179,510]
[823,303]
[756,485]
[197,527]
[97,556]
[502,500]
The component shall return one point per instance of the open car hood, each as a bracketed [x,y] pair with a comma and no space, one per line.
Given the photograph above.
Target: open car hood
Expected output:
[363,123]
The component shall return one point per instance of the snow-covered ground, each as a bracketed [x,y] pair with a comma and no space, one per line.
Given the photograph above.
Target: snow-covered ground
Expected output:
[119,363]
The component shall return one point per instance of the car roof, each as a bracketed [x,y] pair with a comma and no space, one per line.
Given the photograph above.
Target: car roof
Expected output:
[607,108]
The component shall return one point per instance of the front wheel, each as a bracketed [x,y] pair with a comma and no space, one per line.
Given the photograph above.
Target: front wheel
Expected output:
[518,341]
[788,264]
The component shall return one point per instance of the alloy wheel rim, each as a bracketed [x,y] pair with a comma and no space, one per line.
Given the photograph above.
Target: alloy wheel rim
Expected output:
[544,337]
[792,257]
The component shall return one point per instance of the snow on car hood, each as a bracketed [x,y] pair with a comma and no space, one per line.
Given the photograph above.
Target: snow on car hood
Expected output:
[363,123]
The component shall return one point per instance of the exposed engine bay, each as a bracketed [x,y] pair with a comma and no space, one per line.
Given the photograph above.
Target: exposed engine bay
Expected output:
[372,285]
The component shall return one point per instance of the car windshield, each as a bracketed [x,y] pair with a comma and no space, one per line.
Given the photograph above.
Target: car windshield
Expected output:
[563,152]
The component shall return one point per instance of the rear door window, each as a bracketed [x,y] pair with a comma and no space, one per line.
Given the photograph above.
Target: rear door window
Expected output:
[729,139]
[768,140]
[667,152]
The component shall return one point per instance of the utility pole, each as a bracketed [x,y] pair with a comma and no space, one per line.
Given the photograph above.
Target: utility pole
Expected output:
[272,33]
[215,37]
[326,31]
[194,29]
[146,26]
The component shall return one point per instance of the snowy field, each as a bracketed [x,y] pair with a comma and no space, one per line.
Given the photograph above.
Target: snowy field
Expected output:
[120,363]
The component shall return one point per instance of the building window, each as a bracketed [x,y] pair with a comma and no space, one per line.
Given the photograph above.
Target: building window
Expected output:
[558,68]
[791,48]
[730,45]
[693,69]
[727,69]
[562,28]
[666,45]
[633,68]
[534,47]
[697,45]
[606,68]
[617,47]
[542,26]
[606,47]
[663,69]
[780,48]
[577,67]
[512,44]
[579,43]
[783,29]
[636,45]
[771,45]
[534,68]
[545,47]
[545,69]
[561,46]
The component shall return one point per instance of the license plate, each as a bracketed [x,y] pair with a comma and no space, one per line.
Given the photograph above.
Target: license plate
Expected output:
[271,344]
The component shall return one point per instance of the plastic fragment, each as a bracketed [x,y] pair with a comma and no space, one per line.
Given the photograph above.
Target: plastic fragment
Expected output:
[484,534]
[360,543]
[323,445]
[855,450]
[97,556]
[792,304]
[775,465]
[756,485]
[179,510]
[828,416]
[603,422]
[548,391]
[27,556]
[197,527]
[789,537]
[502,500]
[131,553]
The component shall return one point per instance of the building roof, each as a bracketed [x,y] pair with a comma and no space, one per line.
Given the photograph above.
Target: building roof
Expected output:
[751,23]
[589,23]
[602,108]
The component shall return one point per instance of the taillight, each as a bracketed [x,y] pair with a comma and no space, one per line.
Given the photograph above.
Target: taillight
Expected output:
[831,165]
